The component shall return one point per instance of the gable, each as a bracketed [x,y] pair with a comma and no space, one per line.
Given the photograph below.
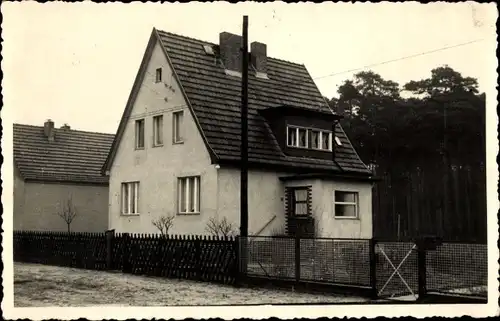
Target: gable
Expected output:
[176,92]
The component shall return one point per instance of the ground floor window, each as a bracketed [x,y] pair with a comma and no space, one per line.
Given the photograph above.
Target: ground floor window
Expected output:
[130,198]
[188,195]
[346,204]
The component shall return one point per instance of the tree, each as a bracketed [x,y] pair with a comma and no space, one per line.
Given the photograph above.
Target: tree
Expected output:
[68,212]
[164,224]
[443,80]
[222,227]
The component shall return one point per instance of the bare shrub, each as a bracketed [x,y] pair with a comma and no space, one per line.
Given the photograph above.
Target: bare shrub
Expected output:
[68,213]
[164,223]
[222,227]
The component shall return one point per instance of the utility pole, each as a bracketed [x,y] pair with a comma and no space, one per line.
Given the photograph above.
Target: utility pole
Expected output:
[243,239]
[244,134]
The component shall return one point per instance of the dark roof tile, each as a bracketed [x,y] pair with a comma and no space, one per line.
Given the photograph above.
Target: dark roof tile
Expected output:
[73,156]
[216,99]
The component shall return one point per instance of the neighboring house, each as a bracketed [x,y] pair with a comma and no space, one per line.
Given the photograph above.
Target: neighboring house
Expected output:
[177,148]
[53,167]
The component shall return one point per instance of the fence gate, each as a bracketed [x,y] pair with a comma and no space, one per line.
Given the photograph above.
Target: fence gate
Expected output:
[397,270]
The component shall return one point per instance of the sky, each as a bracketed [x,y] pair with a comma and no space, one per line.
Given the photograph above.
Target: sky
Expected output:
[75,63]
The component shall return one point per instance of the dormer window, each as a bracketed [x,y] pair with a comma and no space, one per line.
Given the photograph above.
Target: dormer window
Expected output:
[297,137]
[309,138]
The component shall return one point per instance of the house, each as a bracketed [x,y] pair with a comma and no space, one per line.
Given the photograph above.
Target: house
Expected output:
[56,169]
[177,148]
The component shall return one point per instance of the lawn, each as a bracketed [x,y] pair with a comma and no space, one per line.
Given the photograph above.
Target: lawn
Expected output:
[42,286]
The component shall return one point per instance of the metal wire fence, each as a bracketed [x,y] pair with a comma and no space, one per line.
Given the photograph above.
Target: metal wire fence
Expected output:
[459,268]
[342,261]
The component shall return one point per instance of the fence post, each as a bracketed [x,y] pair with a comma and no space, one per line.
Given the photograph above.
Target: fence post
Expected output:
[126,253]
[110,235]
[373,268]
[242,257]
[297,258]
[422,273]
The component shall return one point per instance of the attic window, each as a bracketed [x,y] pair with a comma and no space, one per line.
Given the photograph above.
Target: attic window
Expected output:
[158,75]
[209,50]
[309,138]
[297,137]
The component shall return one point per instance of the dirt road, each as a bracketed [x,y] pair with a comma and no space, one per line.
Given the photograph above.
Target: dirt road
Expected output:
[42,286]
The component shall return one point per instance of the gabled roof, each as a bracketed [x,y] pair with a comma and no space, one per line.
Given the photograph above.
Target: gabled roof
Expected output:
[215,101]
[74,156]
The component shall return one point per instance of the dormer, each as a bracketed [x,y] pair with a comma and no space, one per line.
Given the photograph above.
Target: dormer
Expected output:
[303,132]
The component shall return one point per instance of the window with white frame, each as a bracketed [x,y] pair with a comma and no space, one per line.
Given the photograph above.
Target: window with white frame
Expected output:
[297,137]
[188,194]
[158,130]
[177,126]
[309,138]
[346,204]
[300,201]
[130,198]
[139,134]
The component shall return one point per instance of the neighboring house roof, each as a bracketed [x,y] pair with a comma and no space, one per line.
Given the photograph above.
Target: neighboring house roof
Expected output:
[215,101]
[74,156]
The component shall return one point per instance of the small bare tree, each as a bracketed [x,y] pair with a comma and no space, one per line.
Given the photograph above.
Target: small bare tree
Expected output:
[220,227]
[164,223]
[68,212]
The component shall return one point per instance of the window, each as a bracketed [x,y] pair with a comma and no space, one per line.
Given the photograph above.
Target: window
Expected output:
[300,201]
[130,198]
[297,137]
[326,141]
[139,134]
[158,75]
[177,126]
[292,136]
[158,130]
[189,194]
[346,204]
[315,139]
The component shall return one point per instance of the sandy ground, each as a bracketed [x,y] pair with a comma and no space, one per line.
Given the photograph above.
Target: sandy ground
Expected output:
[44,286]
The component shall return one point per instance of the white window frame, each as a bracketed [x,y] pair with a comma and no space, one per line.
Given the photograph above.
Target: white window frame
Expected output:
[137,121]
[177,127]
[297,128]
[130,190]
[320,132]
[188,188]
[355,204]
[158,130]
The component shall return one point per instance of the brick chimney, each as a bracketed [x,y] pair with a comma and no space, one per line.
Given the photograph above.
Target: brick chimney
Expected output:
[65,127]
[48,130]
[259,56]
[230,50]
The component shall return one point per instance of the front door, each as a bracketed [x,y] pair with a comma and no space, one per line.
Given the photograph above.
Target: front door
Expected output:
[299,216]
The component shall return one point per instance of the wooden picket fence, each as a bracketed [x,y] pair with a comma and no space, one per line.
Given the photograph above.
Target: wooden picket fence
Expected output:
[185,257]
[79,250]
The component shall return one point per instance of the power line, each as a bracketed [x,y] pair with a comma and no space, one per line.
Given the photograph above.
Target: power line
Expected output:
[399,59]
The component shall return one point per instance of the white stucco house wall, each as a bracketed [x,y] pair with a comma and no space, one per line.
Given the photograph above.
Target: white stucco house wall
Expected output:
[177,148]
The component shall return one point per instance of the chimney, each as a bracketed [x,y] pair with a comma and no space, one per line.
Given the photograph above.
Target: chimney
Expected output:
[259,56]
[65,127]
[230,50]
[48,130]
